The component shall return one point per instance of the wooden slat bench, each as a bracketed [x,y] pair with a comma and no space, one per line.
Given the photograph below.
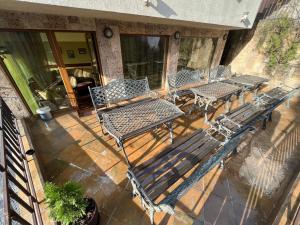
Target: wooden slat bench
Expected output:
[155,181]
[261,109]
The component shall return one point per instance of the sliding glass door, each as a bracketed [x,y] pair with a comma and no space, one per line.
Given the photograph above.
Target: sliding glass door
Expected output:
[144,56]
[196,53]
[30,62]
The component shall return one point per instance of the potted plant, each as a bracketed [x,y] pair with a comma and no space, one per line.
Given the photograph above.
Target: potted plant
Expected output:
[69,206]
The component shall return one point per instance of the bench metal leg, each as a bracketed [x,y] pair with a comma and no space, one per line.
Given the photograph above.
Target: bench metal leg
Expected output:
[222,164]
[121,146]
[151,215]
[270,117]
[264,125]
[194,105]
[241,98]
[227,105]
[205,113]
[170,127]
[234,151]
[255,93]
[287,104]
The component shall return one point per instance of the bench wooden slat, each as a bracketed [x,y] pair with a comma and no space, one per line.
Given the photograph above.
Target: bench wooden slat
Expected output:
[164,182]
[165,151]
[168,154]
[184,153]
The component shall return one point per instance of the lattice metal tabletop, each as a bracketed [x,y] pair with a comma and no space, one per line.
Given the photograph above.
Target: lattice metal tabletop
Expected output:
[247,80]
[216,90]
[207,94]
[134,119]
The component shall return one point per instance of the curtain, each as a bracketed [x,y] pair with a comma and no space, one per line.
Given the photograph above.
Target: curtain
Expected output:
[26,58]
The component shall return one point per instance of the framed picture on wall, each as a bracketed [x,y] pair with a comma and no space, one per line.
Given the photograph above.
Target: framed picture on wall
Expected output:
[71,54]
[82,50]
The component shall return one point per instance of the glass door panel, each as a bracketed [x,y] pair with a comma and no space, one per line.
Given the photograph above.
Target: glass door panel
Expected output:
[144,56]
[30,62]
[196,53]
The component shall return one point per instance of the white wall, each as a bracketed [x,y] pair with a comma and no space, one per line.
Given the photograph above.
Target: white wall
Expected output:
[220,13]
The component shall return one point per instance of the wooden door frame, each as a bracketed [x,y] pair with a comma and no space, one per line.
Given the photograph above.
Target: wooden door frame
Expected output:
[62,68]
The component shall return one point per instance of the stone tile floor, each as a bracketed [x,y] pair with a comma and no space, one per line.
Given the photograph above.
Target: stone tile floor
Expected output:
[247,191]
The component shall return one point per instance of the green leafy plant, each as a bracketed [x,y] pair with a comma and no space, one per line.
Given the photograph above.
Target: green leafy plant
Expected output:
[67,203]
[278,40]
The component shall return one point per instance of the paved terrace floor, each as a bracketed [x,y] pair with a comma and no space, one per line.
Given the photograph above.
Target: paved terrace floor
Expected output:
[246,191]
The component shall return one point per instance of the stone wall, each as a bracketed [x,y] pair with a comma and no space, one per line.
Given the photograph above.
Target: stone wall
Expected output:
[110,49]
[18,20]
[245,58]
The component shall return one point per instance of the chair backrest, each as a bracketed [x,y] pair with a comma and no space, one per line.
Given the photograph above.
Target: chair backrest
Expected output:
[219,73]
[119,90]
[184,77]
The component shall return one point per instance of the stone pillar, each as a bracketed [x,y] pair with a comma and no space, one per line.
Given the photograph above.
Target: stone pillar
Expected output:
[11,96]
[172,56]
[110,52]
[219,50]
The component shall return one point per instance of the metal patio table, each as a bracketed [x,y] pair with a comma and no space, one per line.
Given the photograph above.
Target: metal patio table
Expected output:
[210,93]
[247,82]
[137,118]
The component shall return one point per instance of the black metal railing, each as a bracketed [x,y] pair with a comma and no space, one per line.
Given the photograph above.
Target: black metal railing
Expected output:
[18,203]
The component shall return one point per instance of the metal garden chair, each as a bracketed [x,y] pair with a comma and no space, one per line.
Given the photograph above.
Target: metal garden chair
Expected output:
[219,73]
[179,84]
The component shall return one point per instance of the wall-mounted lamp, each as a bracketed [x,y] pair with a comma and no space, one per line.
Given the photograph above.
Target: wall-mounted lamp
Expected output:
[244,17]
[30,152]
[225,36]
[107,32]
[177,35]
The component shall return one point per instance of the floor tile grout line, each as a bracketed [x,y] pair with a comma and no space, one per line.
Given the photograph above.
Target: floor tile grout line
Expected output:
[231,199]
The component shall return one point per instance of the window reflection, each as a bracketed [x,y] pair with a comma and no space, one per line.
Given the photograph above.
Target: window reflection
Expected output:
[29,60]
[143,56]
[196,53]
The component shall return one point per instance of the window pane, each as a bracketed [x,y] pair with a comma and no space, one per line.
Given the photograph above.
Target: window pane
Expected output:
[29,60]
[196,53]
[143,56]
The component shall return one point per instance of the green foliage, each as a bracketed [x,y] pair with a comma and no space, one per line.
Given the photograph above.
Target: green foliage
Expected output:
[278,40]
[66,202]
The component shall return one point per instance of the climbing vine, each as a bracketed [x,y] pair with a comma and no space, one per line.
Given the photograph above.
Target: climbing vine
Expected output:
[279,42]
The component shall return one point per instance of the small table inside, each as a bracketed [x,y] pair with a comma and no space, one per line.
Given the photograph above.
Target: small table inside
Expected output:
[247,82]
[209,93]
[137,118]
